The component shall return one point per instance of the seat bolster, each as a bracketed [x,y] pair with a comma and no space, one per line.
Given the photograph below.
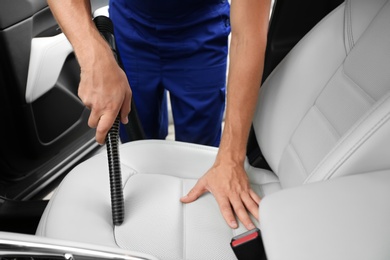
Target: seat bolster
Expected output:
[358,15]
[340,219]
[365,147]
[184,160]
[292,88]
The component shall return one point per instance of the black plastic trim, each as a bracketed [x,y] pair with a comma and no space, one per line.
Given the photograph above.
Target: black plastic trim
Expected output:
[12,12]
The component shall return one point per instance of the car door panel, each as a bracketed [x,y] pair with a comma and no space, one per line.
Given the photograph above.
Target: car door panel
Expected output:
[45,129]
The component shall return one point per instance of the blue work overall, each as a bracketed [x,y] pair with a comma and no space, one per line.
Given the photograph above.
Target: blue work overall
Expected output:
[179,46]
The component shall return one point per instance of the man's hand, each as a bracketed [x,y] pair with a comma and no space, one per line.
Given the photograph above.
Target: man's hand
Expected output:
[230,187]
[227,179]
[105,90]
[103,87]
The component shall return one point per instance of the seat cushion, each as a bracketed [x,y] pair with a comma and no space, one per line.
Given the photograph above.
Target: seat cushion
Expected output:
[156,174]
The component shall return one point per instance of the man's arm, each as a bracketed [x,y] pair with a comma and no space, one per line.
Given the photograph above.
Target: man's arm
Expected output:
[103,85]
[227,179]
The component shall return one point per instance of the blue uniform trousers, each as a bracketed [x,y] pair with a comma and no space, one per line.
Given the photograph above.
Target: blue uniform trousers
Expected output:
[178,46]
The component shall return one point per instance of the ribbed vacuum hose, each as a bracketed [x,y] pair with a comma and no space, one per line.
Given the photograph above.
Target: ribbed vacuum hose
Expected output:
[117,201]
[105,27]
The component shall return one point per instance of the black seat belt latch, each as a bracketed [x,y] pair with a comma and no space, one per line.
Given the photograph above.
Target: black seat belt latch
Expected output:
[249,245]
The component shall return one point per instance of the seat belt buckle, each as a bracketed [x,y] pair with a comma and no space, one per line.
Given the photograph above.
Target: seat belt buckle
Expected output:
[249,245]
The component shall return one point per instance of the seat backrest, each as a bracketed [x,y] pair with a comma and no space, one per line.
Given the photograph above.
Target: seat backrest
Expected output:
[324,110]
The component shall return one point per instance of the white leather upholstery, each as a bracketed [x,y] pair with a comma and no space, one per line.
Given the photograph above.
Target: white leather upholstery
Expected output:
[322,100]
[155,175]
[322,114]
[340,219]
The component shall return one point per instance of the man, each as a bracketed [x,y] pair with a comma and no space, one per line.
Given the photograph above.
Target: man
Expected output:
[105,90]
[178,46]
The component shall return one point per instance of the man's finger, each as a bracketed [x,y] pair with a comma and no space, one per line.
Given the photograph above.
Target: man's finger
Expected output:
[104,125]
[256,199]
[241,212]
[124,118]
[93,119]
[251,205]
[254,196]
[194,193]
[126,108]
[227,211]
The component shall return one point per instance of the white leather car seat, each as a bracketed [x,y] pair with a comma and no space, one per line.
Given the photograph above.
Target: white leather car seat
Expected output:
[322,123]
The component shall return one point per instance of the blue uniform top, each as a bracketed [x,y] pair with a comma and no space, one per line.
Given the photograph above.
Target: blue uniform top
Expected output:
[168,8]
